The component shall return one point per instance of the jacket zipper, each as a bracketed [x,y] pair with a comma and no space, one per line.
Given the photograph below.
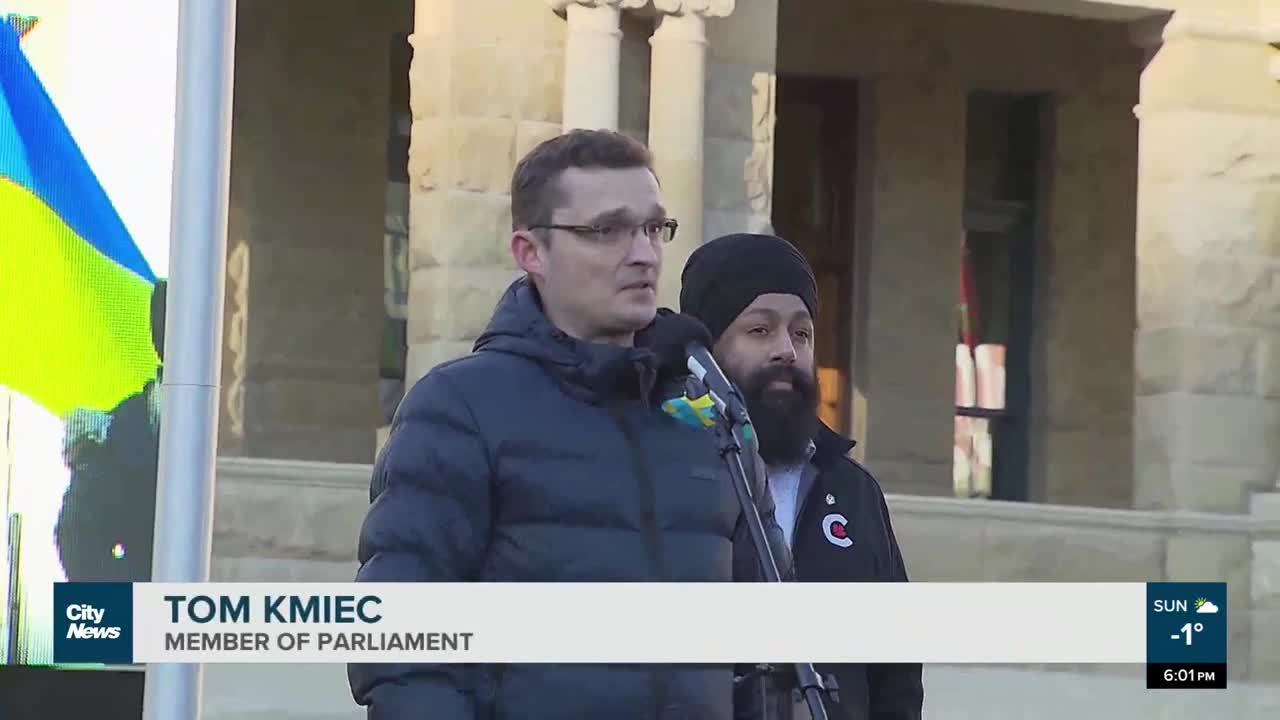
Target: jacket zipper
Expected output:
[495,677]
[648,520]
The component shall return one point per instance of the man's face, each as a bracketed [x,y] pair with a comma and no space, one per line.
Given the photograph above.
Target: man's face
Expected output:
[598,286]
[768,353]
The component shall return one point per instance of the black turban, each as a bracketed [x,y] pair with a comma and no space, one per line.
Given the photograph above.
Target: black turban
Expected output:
[726,275]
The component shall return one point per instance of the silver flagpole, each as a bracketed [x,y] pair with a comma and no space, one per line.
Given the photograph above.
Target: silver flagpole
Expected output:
[193,326]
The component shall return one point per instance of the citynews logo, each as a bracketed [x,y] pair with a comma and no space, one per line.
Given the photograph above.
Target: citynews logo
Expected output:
[93,623]
[86,624]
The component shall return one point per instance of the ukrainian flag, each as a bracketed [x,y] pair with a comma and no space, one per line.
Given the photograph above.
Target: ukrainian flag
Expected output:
[74,288]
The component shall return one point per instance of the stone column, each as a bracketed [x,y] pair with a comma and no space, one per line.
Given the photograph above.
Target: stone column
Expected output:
[303,314]
[485,86]
[677,94]
[741,91]
[915,137]
[1207,354]
[592,56]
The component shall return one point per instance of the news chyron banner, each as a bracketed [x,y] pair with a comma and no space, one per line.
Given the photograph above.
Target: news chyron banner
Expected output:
[87,110]
[1178,629]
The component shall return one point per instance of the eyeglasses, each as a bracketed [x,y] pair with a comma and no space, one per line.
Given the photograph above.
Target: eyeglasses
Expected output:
[661,231]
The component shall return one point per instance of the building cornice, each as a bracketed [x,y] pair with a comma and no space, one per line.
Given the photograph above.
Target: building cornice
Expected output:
[1159,29]
[299,473]
[705,8]
[560,6]
[1152,32]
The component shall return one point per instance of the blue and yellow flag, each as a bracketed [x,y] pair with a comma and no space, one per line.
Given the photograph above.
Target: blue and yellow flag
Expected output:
[74,288]
[698,412]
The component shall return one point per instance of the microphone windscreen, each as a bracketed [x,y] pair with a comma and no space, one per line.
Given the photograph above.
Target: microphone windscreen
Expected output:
[671,333]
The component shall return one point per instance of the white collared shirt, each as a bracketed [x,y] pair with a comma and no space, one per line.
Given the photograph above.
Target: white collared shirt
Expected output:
[784,485]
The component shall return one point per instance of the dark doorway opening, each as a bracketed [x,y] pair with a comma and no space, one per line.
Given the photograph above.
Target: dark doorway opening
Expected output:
[1002,186]
[815,158]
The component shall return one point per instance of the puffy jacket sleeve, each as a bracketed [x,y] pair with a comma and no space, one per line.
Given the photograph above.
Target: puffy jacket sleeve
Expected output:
[429,521]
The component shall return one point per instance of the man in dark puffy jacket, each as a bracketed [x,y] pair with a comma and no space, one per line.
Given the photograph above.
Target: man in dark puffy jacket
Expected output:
[544,455]
[758,297]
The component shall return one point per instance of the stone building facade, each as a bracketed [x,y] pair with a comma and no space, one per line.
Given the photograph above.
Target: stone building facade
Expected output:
[1152,328]
[1147,286]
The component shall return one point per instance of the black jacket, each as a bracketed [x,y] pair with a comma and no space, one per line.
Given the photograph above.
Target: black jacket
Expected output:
[845,503]
[543,458]
[111,499]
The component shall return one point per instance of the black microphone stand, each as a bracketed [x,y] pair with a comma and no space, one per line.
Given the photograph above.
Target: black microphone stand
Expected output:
[729,426]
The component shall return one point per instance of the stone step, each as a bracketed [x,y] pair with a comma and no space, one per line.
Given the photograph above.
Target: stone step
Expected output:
[278,692]
[283,570]
[289,521]
[289,510]
[319,692]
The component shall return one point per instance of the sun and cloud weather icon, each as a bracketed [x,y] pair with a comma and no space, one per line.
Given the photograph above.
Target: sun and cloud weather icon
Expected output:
[1204,607]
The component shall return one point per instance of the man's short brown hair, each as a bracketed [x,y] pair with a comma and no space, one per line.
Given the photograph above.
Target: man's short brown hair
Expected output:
[534,189]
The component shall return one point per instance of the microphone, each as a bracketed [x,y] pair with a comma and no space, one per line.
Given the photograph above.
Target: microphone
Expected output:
[680,340]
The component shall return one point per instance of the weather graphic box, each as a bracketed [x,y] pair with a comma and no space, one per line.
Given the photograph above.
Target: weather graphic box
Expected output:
[1186,635]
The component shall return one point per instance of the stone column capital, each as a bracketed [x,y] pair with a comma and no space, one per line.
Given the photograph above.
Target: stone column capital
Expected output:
[1148,33]
[1271,36]
[1152,32]
[705,8]
[561,6]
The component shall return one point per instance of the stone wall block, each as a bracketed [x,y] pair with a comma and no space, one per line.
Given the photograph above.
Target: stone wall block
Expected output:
[730,91]
[429,155]
[728,174]
[1215,74]
[1152,483]
[1163,279]
[427,211]
[429,75]
[540,86]
[530,134]
[1235,291]
[483,154]
[1264,665]
[508,24]
[725,222]
[488,81]
[1231,430]
[1266,574]
[940,549]
[455,303]
[1211,145]
[1016,552]
[277,520]
[1195,360]
[1269,367]
[425,355]
[1089,466]
[1216,487]
[1218,217]
[1211,558]
[302,402]
[1239,645]
[467,229]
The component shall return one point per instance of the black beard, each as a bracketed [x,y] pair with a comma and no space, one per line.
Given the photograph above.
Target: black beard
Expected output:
[785,421]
